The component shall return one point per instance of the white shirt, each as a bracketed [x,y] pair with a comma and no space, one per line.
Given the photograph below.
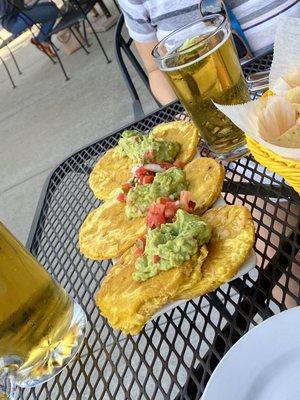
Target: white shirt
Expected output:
[151,20]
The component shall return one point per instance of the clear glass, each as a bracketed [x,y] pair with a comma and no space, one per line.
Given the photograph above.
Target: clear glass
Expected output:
[41,327]
[202,66]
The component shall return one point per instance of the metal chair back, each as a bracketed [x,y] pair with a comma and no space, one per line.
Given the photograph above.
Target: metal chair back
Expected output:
[122,47]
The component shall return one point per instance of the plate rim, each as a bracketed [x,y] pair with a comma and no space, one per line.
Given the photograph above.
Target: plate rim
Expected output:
[253,332]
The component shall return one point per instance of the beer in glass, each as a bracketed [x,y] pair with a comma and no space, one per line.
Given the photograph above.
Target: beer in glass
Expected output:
[41,328]
[202,66]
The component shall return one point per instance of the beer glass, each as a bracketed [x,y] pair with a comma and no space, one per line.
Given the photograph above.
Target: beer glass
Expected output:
[202,66]
[41,328]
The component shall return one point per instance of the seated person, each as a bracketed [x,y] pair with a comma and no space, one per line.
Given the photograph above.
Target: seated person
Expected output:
[15,18]
[150,21]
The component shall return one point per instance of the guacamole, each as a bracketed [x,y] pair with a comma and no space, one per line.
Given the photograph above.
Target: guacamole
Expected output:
[171,245]
[138,147]
[168,183]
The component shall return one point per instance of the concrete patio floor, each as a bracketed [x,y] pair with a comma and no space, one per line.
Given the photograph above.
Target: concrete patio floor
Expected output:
[46,118]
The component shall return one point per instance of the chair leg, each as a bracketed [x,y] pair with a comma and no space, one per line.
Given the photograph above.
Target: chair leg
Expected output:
[138,111]
[50,58]
[117,5]
[98,40]
[8,73]
[60,63]
[78,40]
[54,46]
[85,34]
[104,9]
[14,60]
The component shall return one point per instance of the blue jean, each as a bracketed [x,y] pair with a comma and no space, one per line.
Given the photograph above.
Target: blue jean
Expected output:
[44,14]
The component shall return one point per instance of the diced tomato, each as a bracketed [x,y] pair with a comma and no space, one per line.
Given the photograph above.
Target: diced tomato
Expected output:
[191,205]
[141,242]
[138,252]
[166,165]
[155,220]
[126,187]
[156,258]
[140,245]
[164,200]
[170,213]
[147,179]
[140,172]
[149,155]
[122,197]
[156,208]
[178,164]
[171,209]
[185,197]
[185,200]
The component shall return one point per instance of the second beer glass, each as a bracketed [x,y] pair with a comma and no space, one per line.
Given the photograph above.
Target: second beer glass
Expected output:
[202,66]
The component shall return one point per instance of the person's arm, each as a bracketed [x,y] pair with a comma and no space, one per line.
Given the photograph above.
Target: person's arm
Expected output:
[158,82]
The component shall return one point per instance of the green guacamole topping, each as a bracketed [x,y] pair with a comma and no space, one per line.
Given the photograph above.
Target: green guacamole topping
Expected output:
[136,146]
[173,243]
[168,183]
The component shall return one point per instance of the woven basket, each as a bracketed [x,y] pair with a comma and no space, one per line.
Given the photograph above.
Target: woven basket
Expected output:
[288,169]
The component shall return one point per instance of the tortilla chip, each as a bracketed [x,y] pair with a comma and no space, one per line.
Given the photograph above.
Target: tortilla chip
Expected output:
[276,118]
[182,132]
[293,96]
[107,233]
[110,172]
[128,304]
[293,79]
[205,177]
[296,107]
[289,139]
[232,239]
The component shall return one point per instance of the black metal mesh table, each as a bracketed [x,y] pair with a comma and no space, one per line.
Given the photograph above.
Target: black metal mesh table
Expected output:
[175,354]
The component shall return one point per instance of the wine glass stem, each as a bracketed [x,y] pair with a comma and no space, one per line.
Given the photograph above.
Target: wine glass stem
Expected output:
[7,385]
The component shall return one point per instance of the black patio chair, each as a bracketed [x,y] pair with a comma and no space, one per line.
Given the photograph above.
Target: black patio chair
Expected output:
[4,43]
[8,72]
[69,20]
[79,13]
[37,25]
[122,46]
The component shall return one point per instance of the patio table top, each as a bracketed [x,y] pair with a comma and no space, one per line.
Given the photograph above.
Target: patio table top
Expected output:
[175,354]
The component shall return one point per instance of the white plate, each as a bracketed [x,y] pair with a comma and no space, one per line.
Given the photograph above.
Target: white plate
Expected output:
[247,266]
[263,365]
